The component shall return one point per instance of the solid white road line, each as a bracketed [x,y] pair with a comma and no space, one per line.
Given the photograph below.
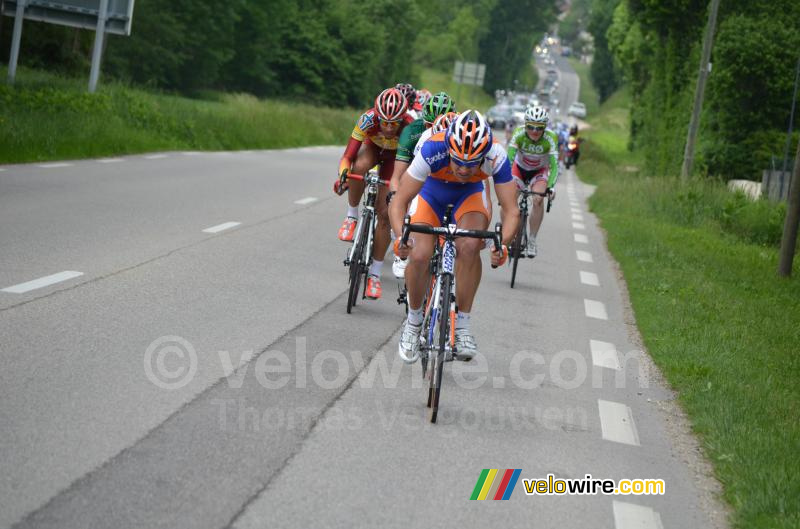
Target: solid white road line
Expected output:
[604,354]
[578,226]
[579,237]
[42,282]
[110,160]
[221,227]
[54,165]
[586,257]
[616,420]
[630,516]
[590,278]
[155,156]
[595,309]
[307,200]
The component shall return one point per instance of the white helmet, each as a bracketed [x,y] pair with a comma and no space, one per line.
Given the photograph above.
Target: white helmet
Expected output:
[536,114]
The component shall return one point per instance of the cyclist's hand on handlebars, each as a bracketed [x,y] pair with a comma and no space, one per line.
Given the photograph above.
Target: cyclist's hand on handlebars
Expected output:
[499,257]
[403,250]
[552,193]
[340,186]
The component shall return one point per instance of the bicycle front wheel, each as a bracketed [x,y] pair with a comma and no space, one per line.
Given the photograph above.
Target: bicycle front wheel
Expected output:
[518,242]
[357,262]
[442,340]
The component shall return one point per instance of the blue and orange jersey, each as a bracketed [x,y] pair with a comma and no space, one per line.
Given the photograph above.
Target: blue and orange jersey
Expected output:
[434,161]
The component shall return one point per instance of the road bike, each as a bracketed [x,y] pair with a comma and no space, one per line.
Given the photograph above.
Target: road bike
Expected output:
[359,256]
[437,340]
[516,252]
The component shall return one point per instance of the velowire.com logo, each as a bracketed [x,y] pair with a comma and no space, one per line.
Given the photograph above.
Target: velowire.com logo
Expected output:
[496,484]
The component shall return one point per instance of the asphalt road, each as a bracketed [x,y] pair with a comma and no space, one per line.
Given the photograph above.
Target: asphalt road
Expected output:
[121,403]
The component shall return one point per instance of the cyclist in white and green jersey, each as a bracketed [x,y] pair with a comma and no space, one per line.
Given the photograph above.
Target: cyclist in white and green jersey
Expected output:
[533,151]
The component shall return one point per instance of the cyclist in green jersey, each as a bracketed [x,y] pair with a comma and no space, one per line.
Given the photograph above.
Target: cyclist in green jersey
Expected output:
[434,107]
[533,152]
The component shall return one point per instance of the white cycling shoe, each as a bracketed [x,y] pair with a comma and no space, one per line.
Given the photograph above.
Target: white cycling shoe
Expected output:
[466,348]
[399,267]
[408,348]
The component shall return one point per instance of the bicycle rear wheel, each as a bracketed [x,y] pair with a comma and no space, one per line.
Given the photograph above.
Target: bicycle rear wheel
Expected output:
[442,339]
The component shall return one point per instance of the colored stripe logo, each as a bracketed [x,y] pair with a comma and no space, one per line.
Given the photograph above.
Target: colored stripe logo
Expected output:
[496,484]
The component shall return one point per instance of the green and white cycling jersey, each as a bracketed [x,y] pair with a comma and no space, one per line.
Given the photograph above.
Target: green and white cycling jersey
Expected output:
[409,138]
[535,155]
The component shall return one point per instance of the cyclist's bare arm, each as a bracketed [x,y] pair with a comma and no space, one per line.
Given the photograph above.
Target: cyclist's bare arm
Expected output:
[399,169]
[409,188]
[509,211]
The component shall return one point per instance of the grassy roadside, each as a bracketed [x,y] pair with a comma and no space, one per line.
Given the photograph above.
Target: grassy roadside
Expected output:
[46,117]
[700,266]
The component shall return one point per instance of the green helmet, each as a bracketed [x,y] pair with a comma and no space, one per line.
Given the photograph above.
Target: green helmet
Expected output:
[437,105]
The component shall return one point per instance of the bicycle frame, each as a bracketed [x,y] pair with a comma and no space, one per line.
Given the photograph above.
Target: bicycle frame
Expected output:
[439,326]
[373,183]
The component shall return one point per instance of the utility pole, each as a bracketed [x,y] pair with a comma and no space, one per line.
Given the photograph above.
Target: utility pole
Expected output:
[694,124]
[791,122]
[792,217]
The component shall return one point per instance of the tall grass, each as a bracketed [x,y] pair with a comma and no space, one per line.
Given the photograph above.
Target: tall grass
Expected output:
[700,265]
[46,117]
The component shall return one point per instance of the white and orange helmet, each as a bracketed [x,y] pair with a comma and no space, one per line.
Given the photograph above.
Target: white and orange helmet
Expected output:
[469,138]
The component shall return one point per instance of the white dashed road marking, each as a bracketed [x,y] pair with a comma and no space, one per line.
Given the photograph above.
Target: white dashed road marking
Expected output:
[307,200]
[579,237]
[155,156]
[616,421]
[586,257]
[578,226]
[595,309]
[604,354]
[110,160]
[221,227]
[42,282]
[577,216]
[54,165]
[590,278]
[632,516]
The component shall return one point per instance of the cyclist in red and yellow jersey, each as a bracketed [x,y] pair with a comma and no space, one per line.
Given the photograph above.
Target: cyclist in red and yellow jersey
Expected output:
[373,142]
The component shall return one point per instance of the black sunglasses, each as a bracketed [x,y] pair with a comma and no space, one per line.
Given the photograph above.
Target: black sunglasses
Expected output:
[531,127]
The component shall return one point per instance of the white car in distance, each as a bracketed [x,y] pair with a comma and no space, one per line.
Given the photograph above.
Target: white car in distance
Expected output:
[577,109]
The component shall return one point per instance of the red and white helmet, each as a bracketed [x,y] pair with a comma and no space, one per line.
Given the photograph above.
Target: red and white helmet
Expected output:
[408,91]
[469,138]
[391,105]
[422,97]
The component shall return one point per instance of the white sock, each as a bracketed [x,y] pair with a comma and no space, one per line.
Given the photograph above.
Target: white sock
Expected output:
[375,269]
[462,320]
[415,316]
[352,211]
